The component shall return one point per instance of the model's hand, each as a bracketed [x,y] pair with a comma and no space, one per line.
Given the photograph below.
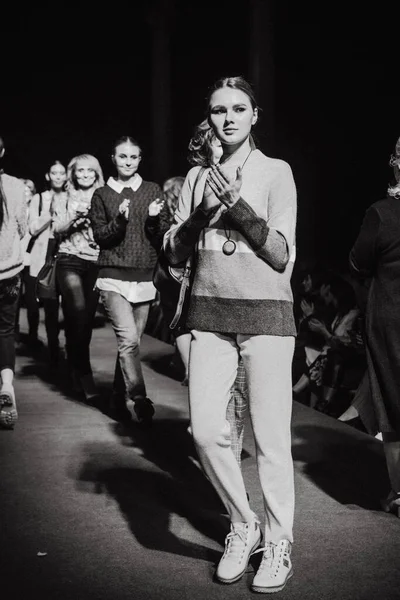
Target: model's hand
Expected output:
[124,208]
[155,207]
[210,200]
[225,187]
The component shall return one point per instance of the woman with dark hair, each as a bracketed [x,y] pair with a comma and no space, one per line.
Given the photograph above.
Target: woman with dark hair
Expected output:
[40,220]
[241,305]
[13,226]
[76,267]
[126,263]
[376,256]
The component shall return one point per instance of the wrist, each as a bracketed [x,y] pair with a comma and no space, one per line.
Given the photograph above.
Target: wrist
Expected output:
[231,200]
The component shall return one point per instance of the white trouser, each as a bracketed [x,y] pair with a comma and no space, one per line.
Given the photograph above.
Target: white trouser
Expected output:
[212,371]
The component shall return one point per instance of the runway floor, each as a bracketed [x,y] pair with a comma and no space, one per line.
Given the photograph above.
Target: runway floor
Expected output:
[95,510]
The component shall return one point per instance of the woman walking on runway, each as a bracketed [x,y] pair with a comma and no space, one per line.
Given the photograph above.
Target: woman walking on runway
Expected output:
[126,262]
[241,305]
[76,267]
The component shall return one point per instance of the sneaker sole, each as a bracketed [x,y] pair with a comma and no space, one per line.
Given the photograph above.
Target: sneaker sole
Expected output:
[235,579]
[8,418]
[270,590]
[6,399]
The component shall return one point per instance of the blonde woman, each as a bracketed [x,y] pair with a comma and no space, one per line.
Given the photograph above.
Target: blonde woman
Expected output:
[76,266]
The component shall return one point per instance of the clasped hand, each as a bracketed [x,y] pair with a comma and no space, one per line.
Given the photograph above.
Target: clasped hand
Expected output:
[124,208]
[221,188]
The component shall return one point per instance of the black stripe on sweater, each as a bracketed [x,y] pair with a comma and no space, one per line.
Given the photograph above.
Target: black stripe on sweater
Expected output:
[251,317]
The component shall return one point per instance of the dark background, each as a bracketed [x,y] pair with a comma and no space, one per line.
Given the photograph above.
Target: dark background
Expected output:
[75,77]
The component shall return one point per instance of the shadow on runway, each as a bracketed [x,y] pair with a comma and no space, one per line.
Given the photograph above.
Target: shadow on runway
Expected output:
[155,479]
[346,464]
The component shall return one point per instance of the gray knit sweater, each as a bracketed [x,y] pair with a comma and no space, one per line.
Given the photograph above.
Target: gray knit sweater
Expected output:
[14,226]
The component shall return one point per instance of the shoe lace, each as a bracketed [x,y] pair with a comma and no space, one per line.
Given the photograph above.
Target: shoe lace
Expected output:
[271,558]
[236,542]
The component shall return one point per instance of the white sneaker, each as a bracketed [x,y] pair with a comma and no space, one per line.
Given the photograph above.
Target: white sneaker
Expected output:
[275,568]
[242,540]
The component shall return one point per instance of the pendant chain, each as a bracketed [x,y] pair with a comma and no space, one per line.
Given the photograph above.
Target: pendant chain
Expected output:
[229,246]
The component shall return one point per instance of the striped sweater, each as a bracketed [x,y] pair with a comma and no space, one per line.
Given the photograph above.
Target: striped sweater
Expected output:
[249,291]
[14,227]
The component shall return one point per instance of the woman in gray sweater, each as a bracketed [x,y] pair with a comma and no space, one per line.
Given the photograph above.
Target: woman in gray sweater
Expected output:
[13,226]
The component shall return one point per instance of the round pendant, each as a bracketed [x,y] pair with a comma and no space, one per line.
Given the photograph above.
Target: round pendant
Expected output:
[229,247]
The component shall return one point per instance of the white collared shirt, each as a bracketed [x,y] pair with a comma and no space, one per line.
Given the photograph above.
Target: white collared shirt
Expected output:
[118,186]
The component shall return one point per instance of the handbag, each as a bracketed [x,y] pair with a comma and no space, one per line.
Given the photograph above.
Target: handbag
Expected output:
[174,281]
[46,282]
[173,284]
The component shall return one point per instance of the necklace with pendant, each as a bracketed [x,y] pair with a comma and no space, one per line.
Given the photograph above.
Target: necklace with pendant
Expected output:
[229,246]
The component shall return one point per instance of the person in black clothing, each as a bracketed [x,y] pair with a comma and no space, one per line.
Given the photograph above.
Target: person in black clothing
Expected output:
[376,255]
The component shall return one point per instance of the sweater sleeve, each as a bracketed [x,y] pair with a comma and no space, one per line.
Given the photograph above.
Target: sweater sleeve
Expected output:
[22,213]
[185,230]
[106,233]
[271,239]
[363,255]
[155,228]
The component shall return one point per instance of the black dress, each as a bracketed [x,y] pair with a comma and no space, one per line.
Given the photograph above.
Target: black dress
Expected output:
[376,254]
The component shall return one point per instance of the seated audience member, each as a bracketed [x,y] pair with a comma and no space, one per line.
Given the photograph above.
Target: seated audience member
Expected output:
[324,366]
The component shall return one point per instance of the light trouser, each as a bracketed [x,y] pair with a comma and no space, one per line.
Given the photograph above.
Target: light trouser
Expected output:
[128,321]
[212,371]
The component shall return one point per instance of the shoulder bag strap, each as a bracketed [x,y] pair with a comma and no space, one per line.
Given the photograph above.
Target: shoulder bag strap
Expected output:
[185,282]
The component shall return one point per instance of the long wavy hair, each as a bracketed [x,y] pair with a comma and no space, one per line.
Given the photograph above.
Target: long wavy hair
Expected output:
[200,151]
[171,189]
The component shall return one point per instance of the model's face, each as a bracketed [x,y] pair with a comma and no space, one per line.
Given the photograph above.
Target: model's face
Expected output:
[57,176]
[231,115]
[85,174]
[126,160]
[216,150]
